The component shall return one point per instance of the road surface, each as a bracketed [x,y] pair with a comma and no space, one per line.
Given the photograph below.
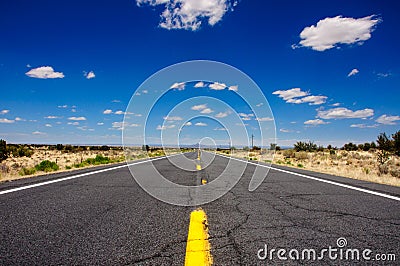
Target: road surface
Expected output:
[102,217]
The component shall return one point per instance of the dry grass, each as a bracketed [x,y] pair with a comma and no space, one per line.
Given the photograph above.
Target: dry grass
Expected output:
[10,169]
[355,164]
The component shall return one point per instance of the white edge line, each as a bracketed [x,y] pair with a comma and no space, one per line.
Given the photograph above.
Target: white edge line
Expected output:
[80,175]
[319,179]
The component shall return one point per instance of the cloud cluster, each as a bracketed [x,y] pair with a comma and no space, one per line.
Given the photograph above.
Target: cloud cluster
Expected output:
[44,72]
[315,122]
[202,108]
[189,14]
[297,96]
[330,32]
[342,113]
[388,119]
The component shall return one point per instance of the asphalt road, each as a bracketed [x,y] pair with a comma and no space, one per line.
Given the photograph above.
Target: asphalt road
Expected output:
[106,218]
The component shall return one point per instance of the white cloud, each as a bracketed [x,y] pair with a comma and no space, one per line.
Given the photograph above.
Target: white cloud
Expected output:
[107,112]
[315,122]
[52,117]
[38,133]
[363,126]
[45,72]
[164,127]
[207,111]
[48,125]
[122,125]
[217,86]
[73,123]
[89,75]
[100,123]
[180,86]
[6,121]
[353,72]
[222,114]
[145,91]
[188,123]
[259,105]
[172,118]
[264,119]
[290,94]
[330,32]
[384,75]
[74,118]
[233,88]
[311,100]
[220,129]
[19,119]
[3,112]
[200,84]
[341,113]
[388,119]
[199,107]
[246,117]
[336,104]
[120,112]
[188,14]
[115,101]
[200,124]
[63,106]
[285,130]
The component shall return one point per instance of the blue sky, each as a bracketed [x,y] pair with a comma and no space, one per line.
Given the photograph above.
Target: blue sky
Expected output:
[329,70]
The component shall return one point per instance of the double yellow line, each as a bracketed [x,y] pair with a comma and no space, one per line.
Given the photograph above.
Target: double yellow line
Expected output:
[198,247]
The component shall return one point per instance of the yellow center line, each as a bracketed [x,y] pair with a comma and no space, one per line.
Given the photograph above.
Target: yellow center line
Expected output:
[198,167]
[198,246]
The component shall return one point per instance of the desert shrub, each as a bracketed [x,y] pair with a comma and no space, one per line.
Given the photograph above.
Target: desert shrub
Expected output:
[305,146]
[99,159]
[366,171]
[383,169]
[395,172]
[22,152]
[3,150]
[279,162]
[104,148]
[68,167]
[288,153]
[47,166]
[300,165]
[4,168]
[301,155]
[27,171]
[59,147]
[356,155]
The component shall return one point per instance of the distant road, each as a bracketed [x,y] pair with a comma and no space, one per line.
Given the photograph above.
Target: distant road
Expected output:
[102,217]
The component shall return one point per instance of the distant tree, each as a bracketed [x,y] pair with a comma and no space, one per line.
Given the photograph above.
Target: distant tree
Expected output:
[277,148]
[59,147]
[329,147]
[396,143]
[104,148]
[245,148]
[272,146]
[350,147]
[384,148]
[3,150]
[145,148]
[366,146]
[305,146]
[320,148]
[256,148]
[384,143]
[373,145]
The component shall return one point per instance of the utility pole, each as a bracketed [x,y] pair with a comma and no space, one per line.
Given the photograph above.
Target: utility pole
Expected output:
[252,141]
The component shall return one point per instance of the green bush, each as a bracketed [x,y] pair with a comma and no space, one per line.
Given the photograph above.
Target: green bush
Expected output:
[47,166]
[305,146]
[27,171]
[3,150]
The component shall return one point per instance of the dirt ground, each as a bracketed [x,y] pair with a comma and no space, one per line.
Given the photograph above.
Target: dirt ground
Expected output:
[362,165]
